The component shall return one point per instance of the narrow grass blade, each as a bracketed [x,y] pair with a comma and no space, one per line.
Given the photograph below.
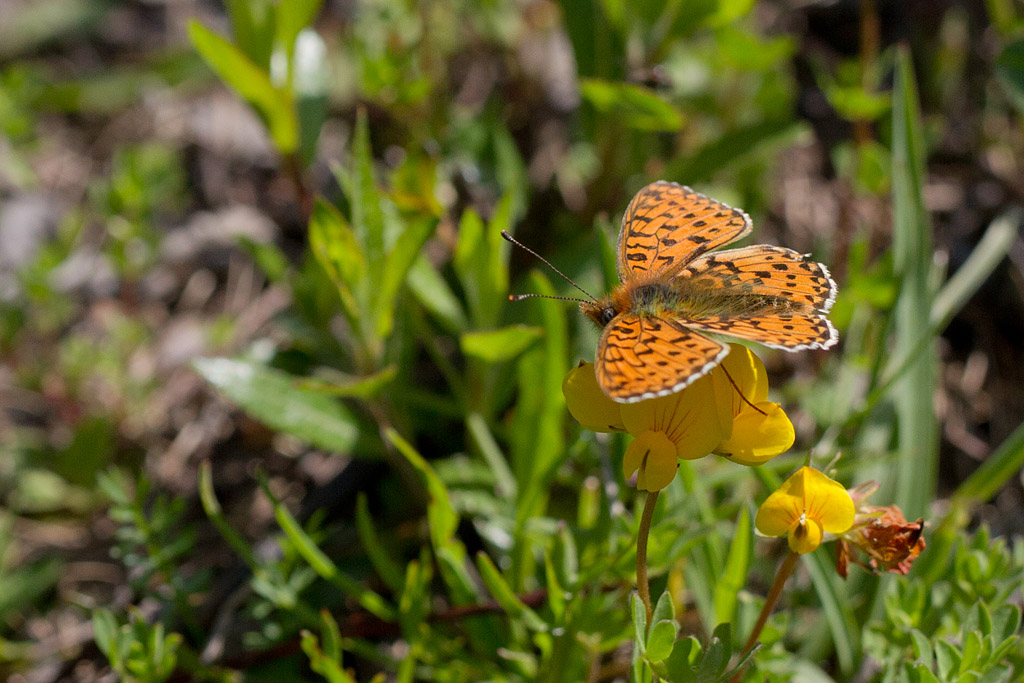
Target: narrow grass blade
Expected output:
[387,569]
[838,613]
[441,515]
[321,564]
[737,564]
[491,452]
[515,608]
[912,246]
[211,506]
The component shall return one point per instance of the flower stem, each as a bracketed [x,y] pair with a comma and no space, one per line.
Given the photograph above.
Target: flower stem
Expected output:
[641,554]
[785,569]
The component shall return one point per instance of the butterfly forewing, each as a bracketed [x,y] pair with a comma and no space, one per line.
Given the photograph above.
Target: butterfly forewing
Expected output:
[642,357]
[801,284]
[667,225]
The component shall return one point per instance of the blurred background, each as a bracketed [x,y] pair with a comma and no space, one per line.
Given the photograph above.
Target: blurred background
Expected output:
[156,196]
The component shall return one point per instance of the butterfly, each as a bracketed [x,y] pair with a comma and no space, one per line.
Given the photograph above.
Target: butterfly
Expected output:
[676,291]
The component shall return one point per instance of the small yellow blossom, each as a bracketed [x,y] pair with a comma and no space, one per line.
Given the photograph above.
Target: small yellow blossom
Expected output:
[587,403]
[760,429]
[685,425]
[723,412]
[806,507]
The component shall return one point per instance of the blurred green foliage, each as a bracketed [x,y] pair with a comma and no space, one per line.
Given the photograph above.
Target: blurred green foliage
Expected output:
[488,539]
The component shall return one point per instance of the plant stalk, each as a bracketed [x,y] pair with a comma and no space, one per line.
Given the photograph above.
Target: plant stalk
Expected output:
[785,569]
[642,586]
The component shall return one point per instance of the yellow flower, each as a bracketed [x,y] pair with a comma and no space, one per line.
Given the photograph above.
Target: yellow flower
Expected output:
[806,507]
[587,403]
[685,425]
[760,429]
[723,412]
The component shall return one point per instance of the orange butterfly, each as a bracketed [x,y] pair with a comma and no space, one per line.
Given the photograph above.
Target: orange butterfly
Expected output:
[673,291]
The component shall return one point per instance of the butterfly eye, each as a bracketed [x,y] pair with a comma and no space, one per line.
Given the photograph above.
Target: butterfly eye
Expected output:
[607,314]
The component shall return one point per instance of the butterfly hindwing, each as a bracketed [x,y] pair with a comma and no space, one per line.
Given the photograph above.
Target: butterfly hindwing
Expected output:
[643,357]
[667,225]
[764,270]
[787,331]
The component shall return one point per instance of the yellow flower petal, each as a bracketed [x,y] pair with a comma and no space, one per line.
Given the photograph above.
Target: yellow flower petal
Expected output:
[806,505]
[759,433]
[653,456]
[748,376]
[587,403]
[805,537]
[689,419]
[778,513]
[829,502]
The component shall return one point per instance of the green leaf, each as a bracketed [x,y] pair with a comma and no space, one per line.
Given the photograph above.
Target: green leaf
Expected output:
[1005,622]
[917,428]
[105,633]
[347,386]
[737,564]
[331,636]
[252,22]
[538,435]
[515,608]
[321,564]
[947,659]
[434,294]
[272,397]
[837,609]
[854,103]
[496,346]
[461,588]
[505,481]
[970,651]
[925,675]
[639,613]
[211,506]
[480,261]
[557,596]
[729,11]
[661,640]
[252,83]
[1009,70]
[413,604]
[440,513]
[664,609]
[922,646]
[268,257]
[396,267]
[291,17]
[634,105]
[338,252]
[716,655]
[322,663]
[679,664]
[387,569]
[364,200]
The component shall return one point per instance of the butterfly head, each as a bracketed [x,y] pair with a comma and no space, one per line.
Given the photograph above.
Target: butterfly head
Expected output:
[601,312]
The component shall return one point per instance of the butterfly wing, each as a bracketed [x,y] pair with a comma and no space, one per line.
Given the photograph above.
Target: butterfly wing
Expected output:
[787,331]
[793,292]
[668,225]
[643,357]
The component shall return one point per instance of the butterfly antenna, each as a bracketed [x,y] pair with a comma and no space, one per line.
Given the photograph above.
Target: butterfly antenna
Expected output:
[734,386]
[520,297]
[568,279]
